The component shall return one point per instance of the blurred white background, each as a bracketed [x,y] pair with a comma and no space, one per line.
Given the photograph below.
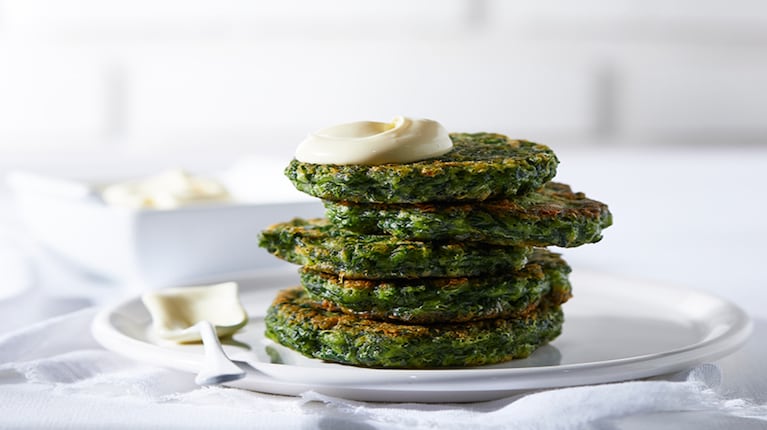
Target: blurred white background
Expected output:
[656,107]
[235,75]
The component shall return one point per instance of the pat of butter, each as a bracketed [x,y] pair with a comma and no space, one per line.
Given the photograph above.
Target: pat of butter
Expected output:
[169,190]
[175,311]
[403,140]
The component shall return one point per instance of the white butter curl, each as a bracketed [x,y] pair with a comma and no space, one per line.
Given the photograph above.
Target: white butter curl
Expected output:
[169,190]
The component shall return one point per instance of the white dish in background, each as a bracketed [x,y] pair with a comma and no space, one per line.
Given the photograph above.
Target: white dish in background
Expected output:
[616,329]
[156,247]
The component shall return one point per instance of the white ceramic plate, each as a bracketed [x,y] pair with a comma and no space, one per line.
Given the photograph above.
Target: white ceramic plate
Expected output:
[616,329]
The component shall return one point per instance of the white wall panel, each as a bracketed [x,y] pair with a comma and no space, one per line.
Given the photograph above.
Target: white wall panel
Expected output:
[705,99]
[49,93]
[594,10]
[200,71]
[178,19]
[305,87]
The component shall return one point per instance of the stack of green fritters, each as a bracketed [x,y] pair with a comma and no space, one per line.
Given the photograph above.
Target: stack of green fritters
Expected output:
[435,263]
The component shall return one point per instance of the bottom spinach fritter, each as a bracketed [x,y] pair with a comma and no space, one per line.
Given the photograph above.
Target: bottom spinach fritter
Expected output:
[440,300]
[294,320]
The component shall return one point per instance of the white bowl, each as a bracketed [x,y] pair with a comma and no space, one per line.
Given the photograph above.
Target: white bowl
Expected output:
[156,247]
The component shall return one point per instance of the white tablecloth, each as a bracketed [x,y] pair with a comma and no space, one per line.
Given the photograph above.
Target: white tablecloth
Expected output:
[56,375]
[693,218]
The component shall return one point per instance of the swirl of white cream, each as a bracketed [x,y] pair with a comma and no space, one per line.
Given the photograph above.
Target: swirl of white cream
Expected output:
[403,140]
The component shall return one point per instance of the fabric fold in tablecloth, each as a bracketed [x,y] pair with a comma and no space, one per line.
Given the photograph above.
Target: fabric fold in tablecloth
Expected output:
[55,375]
[567,408]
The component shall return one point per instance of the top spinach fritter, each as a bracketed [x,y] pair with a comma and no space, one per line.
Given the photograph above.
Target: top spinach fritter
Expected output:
[553,215]
[480,166]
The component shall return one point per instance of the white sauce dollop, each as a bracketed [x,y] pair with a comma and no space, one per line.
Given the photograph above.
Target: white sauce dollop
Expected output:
[403,140]
[169,190]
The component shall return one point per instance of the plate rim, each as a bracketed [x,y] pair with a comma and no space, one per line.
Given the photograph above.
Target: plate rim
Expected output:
[501,380]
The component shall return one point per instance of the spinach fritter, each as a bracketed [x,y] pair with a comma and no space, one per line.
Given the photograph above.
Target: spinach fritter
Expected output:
[553,215]
[442,300]
[318,245]
[293,320]
[480,166]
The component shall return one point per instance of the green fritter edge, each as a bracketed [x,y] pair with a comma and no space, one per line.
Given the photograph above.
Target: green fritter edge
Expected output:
[321,246]
[441,300]
[293,321]
[551,216]
[480,166]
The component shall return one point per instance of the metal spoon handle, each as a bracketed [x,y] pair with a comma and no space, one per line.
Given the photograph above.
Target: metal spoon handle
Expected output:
[217,367]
